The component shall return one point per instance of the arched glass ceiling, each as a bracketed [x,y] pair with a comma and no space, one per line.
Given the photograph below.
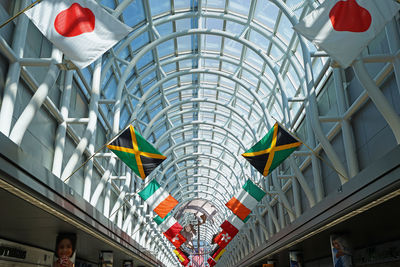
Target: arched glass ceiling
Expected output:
[204,80]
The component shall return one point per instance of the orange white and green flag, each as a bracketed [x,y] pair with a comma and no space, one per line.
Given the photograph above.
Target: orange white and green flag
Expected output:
[245,200]
[159,200]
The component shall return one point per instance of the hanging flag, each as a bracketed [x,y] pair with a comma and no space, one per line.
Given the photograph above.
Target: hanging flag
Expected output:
[136,152]
[217,253]
[183,257]
[236,222]
[215,249]
[230,228]
[176,239]
[81,29]
[233,224]
[211,262]
[159,200]
[344,28]
[223,239]
[229,231]
[271,150]
[171,229]
[246,200]
[160,220]
[198,258]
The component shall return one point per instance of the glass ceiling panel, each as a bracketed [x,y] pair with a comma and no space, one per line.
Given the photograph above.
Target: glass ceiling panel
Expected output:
[140,41]
[266,13]
[212,43]
[215,4]
[136,7]
[211,114]
[108,3]
[182,4]
[239,6]
[234,28]
[233,48]
[184,24]
[159,6]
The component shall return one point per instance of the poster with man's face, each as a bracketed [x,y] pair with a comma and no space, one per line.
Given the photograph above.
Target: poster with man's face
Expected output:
[65,251]
[341,251]
[295,259]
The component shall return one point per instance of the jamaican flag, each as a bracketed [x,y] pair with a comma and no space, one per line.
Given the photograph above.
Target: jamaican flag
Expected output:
[136,152]
[270,151]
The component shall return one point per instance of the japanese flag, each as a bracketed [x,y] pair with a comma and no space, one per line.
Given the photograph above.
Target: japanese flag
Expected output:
[81,29]
[343,28]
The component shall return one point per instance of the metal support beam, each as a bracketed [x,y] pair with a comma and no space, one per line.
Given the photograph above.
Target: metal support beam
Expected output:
[379,99]
[11,86]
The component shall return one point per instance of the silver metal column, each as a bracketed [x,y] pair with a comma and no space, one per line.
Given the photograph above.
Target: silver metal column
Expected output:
[62,127]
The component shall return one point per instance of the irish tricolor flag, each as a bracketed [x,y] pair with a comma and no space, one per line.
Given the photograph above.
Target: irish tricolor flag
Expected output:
[246,200]
[160,201]
[171,230]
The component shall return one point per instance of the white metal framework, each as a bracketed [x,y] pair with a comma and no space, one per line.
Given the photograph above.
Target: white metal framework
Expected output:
[203,80]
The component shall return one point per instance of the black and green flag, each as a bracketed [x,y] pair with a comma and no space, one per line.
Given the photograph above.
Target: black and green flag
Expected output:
[270,151]
[136,152]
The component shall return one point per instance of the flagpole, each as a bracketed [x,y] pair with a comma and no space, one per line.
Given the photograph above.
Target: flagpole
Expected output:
[198,236]
[19,13]
[134,195]
[98,150]
[312,150]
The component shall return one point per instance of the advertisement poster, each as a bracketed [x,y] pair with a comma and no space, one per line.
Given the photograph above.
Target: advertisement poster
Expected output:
[82,263]
[128,263]
[23,254]
[295,259]
[65,251]
[106,259]
[341,251]
[270,263]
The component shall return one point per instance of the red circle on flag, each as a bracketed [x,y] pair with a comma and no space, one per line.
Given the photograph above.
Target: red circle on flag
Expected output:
[74,21]
[350,16]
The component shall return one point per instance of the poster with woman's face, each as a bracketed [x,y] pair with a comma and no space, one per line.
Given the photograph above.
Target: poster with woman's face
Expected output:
[65,250]
[341,251]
